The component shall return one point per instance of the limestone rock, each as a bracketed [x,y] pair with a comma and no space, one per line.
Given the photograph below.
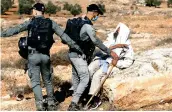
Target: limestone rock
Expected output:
[141,35]
[134,93]
[146,82]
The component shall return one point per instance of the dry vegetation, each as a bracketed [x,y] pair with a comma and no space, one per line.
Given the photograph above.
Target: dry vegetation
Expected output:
[150,30]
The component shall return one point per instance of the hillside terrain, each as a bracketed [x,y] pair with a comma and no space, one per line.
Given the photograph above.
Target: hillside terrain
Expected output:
[151,35]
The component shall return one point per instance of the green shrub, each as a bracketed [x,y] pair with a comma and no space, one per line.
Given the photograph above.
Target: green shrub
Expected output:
[67,6]
[149,2]
[102,7]
[51,8]
[76,10]
[155,3]
[169,3]
[5,5]
[25,6]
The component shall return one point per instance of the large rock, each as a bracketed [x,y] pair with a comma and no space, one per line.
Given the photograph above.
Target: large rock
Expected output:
[146,82]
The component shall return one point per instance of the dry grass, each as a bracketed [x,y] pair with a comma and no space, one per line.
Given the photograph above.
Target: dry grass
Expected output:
[60,58]
[165,41]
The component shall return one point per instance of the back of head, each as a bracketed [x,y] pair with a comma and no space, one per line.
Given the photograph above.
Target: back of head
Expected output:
[94,8]
[123,28]
[38,8]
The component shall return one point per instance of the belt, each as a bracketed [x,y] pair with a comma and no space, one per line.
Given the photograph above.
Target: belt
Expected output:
[74,50]
[32,51]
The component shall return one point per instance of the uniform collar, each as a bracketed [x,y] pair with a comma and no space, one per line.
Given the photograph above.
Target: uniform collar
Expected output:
[87,19]
[39,16]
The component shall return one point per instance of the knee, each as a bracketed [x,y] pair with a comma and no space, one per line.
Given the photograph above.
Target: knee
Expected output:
[83,71]
[47,82]
[34,84]
[95,78]
[85,79]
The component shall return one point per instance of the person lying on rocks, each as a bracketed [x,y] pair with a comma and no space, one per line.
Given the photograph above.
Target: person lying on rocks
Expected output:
[118,41]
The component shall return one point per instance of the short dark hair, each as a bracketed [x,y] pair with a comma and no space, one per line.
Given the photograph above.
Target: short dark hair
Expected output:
[94,8]
[39,7]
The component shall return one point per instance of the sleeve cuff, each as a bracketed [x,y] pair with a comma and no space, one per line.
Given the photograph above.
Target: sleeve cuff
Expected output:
[109,52]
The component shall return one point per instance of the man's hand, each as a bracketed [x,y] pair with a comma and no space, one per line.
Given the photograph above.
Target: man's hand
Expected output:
[112,47]
[115,58]
[124,46]
[114,62]
[114,55]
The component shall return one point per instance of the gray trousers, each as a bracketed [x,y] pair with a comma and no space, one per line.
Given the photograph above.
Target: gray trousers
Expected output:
[40,63]
[80,75]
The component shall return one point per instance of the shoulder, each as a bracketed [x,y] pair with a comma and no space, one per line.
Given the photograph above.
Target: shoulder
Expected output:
[53,22]
[87,27]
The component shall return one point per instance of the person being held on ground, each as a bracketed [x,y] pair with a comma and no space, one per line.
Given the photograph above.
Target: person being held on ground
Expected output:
[118,41]
[40,40]
[88,41]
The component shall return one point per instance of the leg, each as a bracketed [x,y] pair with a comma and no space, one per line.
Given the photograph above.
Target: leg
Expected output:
[82,70]
[93,67]
[96,81]
[75,79]
[47,77]
[34,74]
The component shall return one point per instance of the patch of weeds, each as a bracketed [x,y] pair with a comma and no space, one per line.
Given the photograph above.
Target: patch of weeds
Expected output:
[165,41]
[60,58]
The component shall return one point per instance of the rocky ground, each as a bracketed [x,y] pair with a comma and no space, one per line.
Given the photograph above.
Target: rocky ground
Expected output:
[144,86]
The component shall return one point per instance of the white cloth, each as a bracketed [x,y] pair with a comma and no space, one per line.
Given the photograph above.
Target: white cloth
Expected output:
[122,38]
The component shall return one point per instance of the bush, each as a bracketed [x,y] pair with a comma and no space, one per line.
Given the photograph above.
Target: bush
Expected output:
[5,5]
[67,6]
[149,3]
[155,3]
[169,3]
[25,6]
[76,10]
[51,8]
[102,7]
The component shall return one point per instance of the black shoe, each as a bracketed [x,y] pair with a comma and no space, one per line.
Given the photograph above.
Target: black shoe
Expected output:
[52,106]
[73,107]
[96,103]
[40,106]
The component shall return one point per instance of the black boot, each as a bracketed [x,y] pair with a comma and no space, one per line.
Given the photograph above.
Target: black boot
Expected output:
[52,106]
[40,106]
[73,107]
[96,102]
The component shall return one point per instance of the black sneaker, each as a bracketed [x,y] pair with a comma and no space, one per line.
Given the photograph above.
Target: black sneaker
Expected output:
[73,107]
